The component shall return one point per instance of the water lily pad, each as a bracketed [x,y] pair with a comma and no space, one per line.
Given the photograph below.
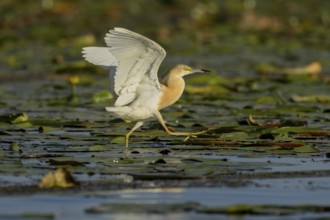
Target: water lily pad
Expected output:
[99,148]
[102,96]
[65,162]
[14,118]
[19,118]
[294,130]
[118,140]
[305,149]
[257,210]
[311,98]
[285,137]
[158,208]
[266,99]
[234,136]
[29,215]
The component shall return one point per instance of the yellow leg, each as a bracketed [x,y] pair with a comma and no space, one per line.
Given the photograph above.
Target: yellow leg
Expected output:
[161,121]
[136,126]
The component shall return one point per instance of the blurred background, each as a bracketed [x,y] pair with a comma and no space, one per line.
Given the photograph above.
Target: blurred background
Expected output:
[234,37]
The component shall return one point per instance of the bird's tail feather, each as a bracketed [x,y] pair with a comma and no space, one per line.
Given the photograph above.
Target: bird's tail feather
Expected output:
[119,109]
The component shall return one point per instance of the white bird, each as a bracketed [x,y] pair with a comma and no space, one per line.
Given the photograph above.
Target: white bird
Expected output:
[133,61]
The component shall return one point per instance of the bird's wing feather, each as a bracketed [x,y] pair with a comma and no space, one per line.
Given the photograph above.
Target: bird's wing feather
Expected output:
[99,56]
[102,57]
[138,57]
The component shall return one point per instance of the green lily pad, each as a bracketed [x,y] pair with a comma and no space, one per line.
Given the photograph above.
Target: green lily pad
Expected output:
[118,140]
[305,149]
[234,136]
[294,130]
[102,96]
[14,147]
[311,98]
[157,208]
[266,99]
[285,137]
[99,148]
[29,215]
[23,117]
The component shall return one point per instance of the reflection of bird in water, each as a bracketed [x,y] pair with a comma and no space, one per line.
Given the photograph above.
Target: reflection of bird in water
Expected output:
[133,61]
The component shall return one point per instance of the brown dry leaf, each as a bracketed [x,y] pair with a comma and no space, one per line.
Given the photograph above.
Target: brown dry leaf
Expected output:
[60,178]
[313,68]
[278,123]
[311,98]
[253,121]
[254,21]
[48,181]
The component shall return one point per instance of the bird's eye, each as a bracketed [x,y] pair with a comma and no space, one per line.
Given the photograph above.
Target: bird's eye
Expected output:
[187,68]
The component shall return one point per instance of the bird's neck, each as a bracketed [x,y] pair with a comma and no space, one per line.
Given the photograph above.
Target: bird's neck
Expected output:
[172,90]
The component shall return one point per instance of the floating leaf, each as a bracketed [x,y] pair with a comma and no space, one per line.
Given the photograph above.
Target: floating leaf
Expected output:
[305,149]
[46,129]
[234,136]
[102,96]
[277,123]
[99,148]
[266,99]
[29,215]
[206,90]
[26,124]
[239,209]
[294,130]
[14,147]
[311,98]
[258,210]
[284,137]
[14,118]
[58,123]
[295,109]
[313,68]
[208,78]
[60,178]
[266,68]
[65,163]
[159,208]
[118,140]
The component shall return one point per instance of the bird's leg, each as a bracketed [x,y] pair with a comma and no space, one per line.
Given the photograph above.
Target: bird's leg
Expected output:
[161,121]
[136,126]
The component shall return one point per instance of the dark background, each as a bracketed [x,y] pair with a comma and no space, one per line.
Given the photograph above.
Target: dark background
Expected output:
[229,37]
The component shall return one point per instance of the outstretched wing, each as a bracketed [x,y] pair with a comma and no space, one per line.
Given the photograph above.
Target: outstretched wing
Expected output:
[138,57]
[102,57]
[99,56]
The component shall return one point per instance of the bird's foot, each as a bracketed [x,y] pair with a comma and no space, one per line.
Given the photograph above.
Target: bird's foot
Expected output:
[188,135]
[194,135]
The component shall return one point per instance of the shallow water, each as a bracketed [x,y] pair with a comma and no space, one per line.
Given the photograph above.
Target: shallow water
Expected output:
[293,192]
[282,158]
[283,161]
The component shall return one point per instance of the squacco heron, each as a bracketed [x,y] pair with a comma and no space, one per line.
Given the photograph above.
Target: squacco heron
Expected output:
[133,61]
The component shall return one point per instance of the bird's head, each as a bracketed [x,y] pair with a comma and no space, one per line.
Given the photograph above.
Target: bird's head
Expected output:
[183,70]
